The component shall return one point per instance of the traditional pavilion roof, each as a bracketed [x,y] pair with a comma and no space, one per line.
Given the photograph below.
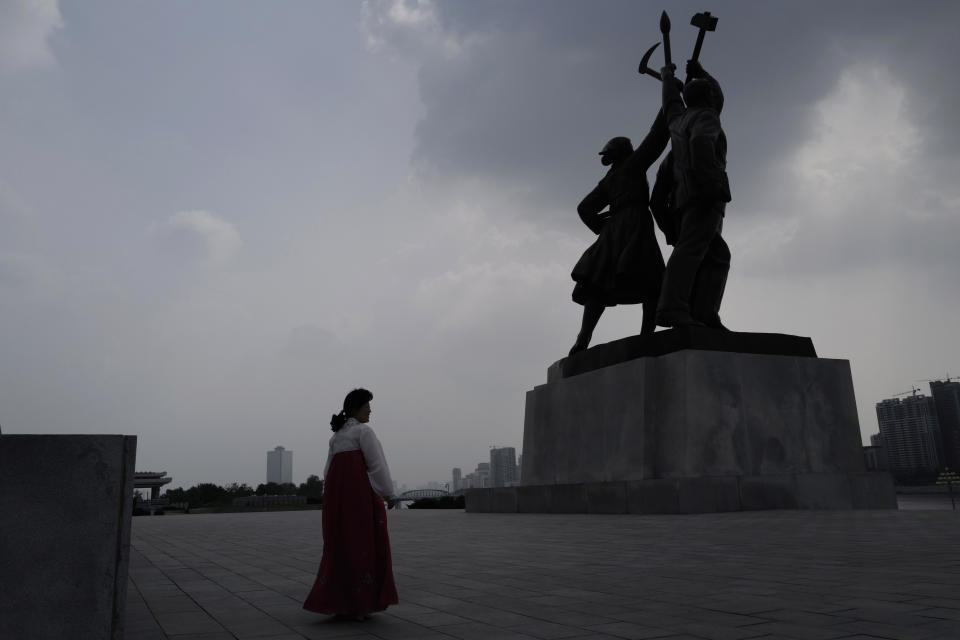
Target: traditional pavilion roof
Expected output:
[142,479]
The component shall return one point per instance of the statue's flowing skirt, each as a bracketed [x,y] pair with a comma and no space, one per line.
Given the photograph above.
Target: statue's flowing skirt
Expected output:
[624,265]
[356,573]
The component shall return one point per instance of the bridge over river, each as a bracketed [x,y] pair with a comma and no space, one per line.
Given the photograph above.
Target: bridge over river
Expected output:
[416,494]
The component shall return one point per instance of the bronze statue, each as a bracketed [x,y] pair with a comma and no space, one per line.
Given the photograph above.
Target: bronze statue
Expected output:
[696,272]
[624,264]
[690,195]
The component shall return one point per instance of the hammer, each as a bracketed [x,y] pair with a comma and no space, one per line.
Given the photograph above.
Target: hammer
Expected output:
[705,22]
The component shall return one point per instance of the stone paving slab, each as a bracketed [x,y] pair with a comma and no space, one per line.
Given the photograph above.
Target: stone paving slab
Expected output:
[772,575]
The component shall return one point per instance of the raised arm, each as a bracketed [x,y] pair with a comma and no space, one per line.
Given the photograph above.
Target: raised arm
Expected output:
[695,71]
[652,145]
[672,101]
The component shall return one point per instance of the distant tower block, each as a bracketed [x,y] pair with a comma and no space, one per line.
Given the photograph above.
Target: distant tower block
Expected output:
[503,467]
[280,466]
[946,400]
[911,434]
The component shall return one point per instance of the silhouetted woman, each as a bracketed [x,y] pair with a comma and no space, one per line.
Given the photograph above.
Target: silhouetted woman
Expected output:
[624,265]
[356,574]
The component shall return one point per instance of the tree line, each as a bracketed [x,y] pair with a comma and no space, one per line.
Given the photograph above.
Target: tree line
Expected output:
[207,494]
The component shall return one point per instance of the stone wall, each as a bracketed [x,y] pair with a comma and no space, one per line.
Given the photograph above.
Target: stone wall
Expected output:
[693,413]
[692,421]
[65,504]
[705,494]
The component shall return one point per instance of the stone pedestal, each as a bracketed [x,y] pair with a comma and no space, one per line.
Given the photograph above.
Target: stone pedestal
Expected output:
[66,503]
[693,430]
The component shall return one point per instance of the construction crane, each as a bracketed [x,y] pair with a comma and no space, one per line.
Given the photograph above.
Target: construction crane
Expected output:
[913,391]
[937,380]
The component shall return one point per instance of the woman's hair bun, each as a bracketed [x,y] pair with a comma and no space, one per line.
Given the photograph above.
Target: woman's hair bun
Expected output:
[354,400]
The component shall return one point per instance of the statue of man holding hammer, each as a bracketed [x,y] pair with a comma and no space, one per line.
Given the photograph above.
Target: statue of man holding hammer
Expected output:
[696,273]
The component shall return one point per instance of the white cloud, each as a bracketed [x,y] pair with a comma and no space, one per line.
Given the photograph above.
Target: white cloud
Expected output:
[219,238]
[407,26]
[859,192]
[26,27]
[763,241]
[863,134]
[414,13]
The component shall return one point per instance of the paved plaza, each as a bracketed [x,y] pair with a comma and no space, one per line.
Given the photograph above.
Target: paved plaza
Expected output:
[804,575]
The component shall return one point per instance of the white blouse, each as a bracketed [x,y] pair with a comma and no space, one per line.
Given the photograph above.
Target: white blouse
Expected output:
[355,435]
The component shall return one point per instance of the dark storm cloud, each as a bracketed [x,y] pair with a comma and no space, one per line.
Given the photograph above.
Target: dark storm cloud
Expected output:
[541,85]
[537,87]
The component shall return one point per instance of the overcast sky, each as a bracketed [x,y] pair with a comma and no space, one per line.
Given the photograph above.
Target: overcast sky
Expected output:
[217,218]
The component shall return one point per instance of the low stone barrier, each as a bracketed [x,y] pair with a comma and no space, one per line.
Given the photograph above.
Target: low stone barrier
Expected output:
[268,501]
[65,503]
[855,490]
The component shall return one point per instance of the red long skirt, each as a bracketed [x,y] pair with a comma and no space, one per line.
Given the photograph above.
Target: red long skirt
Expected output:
[356,573]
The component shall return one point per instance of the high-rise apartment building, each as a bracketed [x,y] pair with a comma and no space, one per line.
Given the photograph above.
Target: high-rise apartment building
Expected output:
[946,400]
[280,465]
[503,467]
[457,480]
[875,455]
[483,475]
[910,434]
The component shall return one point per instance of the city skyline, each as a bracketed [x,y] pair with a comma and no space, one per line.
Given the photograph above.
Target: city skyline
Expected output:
[918,435]
[298,479]
[218,218]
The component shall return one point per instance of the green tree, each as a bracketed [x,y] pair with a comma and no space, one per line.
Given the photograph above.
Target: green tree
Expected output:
[207,494]
[276,489]
[239,490]
[312,488]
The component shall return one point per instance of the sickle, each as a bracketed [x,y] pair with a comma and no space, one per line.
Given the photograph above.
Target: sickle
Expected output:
[643,63]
